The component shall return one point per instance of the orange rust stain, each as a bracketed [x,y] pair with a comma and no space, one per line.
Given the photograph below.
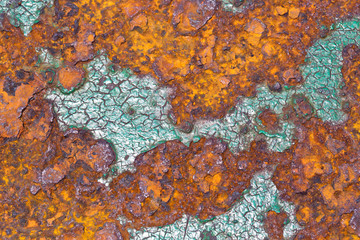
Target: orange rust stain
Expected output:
[70,77]
[321,178]
[14,99]
[48,178]
[269,119]
[274,223]
[202,180]
[184,44]
[60,204]
[37,119]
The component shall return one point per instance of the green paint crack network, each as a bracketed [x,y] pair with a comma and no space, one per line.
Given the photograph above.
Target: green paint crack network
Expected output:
[132,112]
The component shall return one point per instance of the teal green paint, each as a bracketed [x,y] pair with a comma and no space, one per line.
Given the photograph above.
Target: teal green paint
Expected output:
[323,27]
[134,116]
[133,112]
[270,135]
[228,5]
[323,81]
[244,115]
[106,112]
[102,105]
[25,13]
[322,71]
[243,221]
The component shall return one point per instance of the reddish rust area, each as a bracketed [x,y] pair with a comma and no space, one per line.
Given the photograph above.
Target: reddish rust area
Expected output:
[49,188]
[37,119]
[322,179]
[274,223]
[208,56]
[269,120]
[70,77]
[48,178]
[14,99]
[202,180]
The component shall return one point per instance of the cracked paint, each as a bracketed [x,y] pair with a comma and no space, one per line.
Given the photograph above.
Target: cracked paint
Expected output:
[114,104]
[243,221]
[125,122]
[24,13]
[179,119]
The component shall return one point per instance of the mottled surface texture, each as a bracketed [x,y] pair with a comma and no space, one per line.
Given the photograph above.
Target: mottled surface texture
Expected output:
[179,119]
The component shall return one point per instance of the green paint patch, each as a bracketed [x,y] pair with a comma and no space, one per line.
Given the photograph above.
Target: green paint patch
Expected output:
[322,71]
[132,112]
[320,96]
[23,13]
[235,6]
[243,221]
[239,128]
[129,111]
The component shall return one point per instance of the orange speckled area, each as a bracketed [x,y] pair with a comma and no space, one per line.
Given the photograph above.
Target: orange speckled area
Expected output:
[208,58]
[13,102]
[70,78]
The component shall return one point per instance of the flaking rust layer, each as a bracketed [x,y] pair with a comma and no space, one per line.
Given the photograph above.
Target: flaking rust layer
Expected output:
[174,119]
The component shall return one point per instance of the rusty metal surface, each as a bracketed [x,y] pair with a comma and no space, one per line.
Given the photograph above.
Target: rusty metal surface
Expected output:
[174,119]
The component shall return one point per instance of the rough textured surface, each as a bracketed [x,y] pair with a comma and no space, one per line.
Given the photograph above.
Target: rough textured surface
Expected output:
[114,104]
[23,13]
[14,99]
[134,114]
[243,221]
[237,119]
[135,120]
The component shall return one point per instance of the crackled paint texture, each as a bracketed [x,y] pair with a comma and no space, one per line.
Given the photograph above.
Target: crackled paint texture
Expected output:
[322,73]
[128,111]
[323,81]
[195,98]
[23,13]
[240,128]
[243,221]
[133,113]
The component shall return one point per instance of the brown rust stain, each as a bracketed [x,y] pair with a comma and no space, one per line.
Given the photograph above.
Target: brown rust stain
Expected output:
[192,46]
[322,179]
[70,77]
[274,224]
[48,178]
[201,180]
